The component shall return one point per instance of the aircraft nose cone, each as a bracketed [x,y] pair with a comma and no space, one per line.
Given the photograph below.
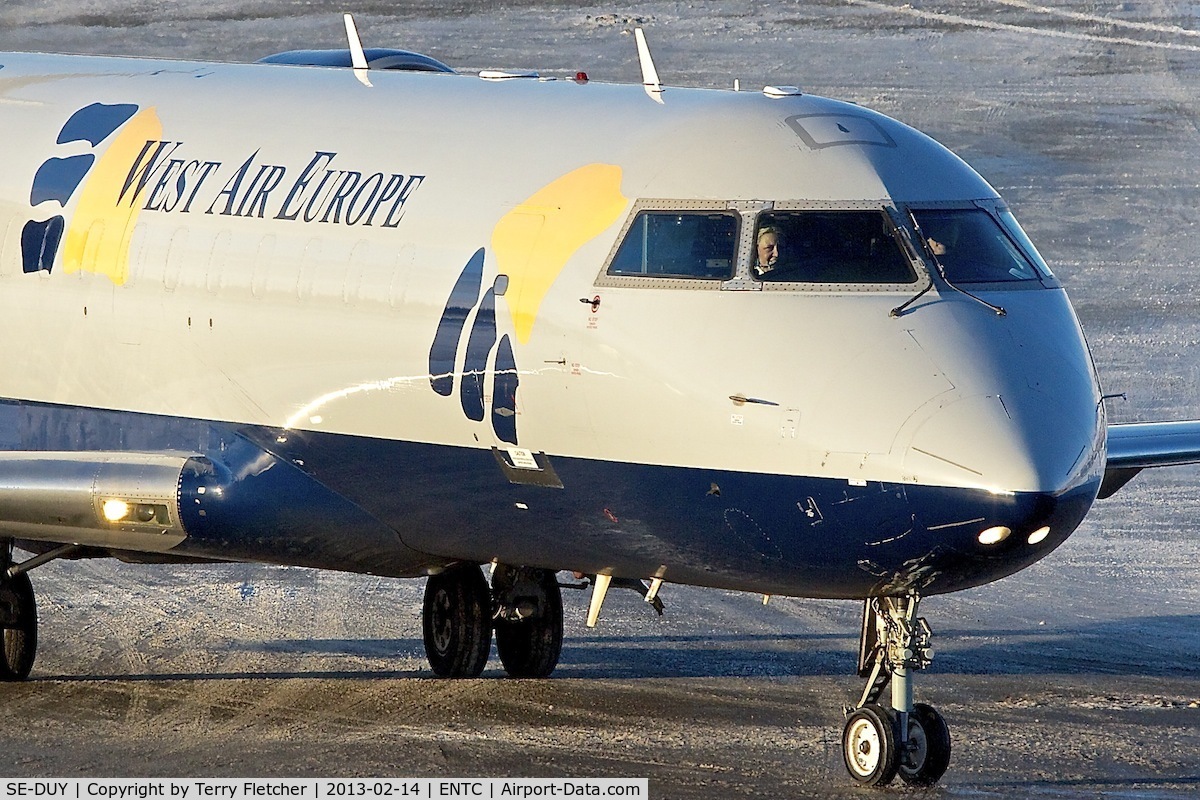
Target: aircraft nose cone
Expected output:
[1025,441]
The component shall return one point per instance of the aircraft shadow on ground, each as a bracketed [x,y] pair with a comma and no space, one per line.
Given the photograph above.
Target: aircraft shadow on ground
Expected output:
[1165,646]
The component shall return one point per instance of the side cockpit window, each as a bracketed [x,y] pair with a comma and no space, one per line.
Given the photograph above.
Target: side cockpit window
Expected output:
[972,247]
[670,244]
[828,247]
[1018,234]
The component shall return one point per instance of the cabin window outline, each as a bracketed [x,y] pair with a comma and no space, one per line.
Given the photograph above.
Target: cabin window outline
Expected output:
[263,266]
[93,245]
[219,256]
[356,268]
[39,243]
[177,249]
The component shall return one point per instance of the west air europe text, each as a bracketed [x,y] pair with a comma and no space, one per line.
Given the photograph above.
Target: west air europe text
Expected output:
[163,179]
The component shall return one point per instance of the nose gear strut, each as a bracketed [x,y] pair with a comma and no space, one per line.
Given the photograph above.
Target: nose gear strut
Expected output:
[909,739]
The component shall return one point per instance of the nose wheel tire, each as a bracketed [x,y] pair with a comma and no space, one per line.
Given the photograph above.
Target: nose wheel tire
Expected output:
[457,622]
[928,754]
[18,628]
[869,746]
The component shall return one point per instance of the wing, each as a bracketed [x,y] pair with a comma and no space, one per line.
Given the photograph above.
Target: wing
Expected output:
[1136,446]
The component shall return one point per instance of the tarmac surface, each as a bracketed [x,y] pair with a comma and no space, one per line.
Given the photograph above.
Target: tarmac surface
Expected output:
[1079,677]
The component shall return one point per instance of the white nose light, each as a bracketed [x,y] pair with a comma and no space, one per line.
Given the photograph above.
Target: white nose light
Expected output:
[994,535]
[1039,535]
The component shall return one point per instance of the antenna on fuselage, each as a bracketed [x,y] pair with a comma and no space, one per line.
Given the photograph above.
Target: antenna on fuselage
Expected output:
[649,74]
[358,57]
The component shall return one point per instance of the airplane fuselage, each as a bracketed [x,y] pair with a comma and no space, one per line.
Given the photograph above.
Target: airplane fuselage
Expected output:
[387,319]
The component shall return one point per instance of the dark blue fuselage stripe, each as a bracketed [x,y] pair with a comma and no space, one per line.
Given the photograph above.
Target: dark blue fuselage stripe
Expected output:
[816,537]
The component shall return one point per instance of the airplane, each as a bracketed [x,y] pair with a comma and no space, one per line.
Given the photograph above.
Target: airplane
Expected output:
[354,310]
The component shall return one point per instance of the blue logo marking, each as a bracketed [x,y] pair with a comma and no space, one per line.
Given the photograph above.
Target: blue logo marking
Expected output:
[58,178]
[481,344]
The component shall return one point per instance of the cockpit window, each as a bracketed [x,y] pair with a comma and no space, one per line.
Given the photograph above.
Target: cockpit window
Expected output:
[1018,233]
[670,244]
[828,247]
[972,247]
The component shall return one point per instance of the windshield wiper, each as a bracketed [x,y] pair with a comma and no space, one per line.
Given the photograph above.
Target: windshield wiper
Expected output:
[941,270]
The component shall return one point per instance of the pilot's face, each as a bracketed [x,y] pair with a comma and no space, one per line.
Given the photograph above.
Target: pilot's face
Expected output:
[768,249]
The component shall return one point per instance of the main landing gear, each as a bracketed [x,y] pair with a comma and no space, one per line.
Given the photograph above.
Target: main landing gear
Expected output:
[909,739]
[523,606]
[18,619]
[18,609]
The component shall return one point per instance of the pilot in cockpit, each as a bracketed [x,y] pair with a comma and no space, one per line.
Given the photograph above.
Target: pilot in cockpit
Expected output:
[768,244]
[948,232]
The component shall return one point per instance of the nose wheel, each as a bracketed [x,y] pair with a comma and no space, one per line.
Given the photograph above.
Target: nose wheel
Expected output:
[909,739]
[869,745]
[927,755]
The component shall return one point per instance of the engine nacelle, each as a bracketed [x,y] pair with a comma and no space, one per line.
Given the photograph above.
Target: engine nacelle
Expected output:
[117,500]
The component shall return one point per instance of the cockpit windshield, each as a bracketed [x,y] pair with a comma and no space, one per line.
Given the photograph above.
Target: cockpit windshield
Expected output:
[828,247]
[792,246]
[1017,232]
[674,244]
[973,248]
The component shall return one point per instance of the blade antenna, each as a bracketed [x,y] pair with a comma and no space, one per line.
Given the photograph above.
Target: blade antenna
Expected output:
[650,79]
[358,57]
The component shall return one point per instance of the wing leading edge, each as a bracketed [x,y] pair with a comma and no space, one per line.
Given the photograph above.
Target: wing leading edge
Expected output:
[1136,446]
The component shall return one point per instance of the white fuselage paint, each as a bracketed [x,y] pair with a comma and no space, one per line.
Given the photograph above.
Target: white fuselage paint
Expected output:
[327,326]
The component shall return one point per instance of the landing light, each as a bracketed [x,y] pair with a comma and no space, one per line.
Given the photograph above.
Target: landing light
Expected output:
[144,513]
[994,535]
[1039,535]
[115,510]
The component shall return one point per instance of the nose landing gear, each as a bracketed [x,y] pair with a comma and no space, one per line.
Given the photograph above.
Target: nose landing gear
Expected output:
[909,739]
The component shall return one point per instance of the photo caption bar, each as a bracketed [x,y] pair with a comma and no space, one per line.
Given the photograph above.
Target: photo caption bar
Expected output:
[319,788]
